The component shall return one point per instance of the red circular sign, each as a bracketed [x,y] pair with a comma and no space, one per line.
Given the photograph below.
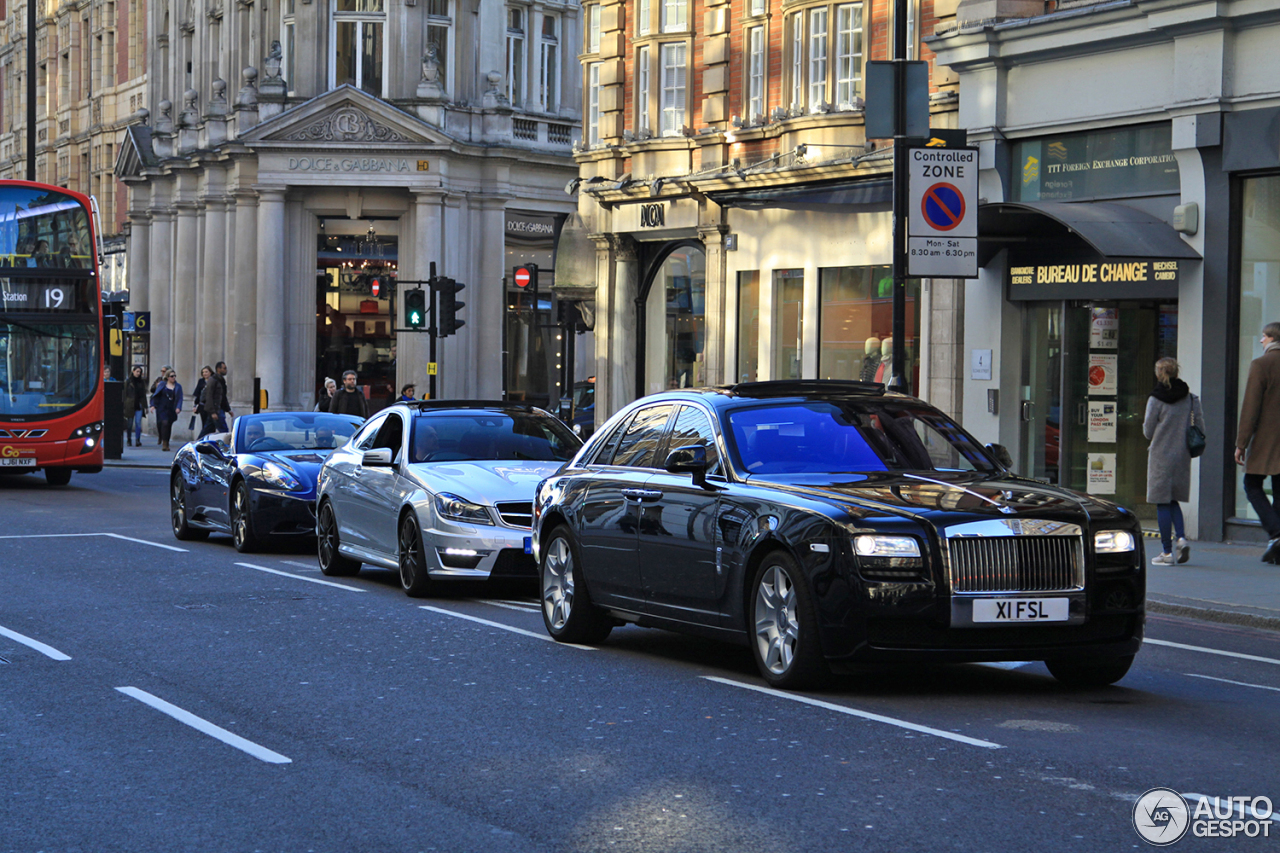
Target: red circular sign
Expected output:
[522,276]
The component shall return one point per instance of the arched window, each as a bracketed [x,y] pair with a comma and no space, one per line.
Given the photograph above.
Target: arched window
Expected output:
[674,321]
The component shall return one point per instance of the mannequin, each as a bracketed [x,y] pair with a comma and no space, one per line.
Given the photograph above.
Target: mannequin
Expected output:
[871,360]
[885,370]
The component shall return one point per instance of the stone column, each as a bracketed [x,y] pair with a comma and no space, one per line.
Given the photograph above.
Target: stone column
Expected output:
[139,253]
[213,284]
[620,355]
[490,311]
[184,358]
[713,355]
[160,285]
[243,335]
[271,293]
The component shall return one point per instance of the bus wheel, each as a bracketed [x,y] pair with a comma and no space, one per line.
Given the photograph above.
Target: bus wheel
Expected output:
[57,476]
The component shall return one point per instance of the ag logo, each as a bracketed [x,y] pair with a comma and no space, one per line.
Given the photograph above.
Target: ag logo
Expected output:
[9,452]
[1161,816]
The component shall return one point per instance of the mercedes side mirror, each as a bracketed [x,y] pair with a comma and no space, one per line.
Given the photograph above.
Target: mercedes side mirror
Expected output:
[1001,453]
[377,458]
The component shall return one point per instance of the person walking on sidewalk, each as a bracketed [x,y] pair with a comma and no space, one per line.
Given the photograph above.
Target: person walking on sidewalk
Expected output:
[1171,408]
[212,402]
[166,402]
[1258,439]
[135,405]
[224,411]
[349,400]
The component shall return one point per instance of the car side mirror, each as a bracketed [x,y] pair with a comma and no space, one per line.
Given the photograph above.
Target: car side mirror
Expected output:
[379,457]
[210,448]
[689,460]
[1001,453]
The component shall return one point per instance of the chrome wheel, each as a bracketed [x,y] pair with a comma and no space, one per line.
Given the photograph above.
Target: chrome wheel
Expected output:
[777,629]
[413,566]
[557,584]
[240,533]
[178,503]
[331,560]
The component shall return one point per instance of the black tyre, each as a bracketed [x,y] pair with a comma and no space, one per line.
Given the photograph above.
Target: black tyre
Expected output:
[57,476]
[242,533]
[567,610]
[332,563]
[784,625]
[182,529]
[1090,672]
[413,560]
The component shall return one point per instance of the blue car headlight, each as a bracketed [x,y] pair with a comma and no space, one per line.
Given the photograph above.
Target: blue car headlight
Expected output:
[278,477]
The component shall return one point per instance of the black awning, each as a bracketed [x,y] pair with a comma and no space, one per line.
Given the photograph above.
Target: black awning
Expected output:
[1110,229]
[861,196]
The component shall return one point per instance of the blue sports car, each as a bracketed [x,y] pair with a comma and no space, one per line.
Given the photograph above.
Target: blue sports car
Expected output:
[257,481]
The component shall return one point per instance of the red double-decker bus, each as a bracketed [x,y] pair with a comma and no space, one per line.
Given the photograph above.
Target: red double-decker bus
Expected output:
[51,411]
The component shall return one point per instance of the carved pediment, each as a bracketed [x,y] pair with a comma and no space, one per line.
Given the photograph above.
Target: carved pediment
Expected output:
[347,124]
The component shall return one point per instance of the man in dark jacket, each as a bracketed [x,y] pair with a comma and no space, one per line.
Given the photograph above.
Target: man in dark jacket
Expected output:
[1258,439]
[349,400]
[225,412]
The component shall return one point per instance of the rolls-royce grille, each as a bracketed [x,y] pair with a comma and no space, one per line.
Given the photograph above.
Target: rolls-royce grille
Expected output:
[517,514]
[1016,563]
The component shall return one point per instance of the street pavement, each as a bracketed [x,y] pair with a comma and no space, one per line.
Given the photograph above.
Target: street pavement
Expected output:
[173,696]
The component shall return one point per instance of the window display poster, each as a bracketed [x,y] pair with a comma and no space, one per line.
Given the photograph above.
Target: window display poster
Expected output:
[1104,331]
[1103,371]
[1102,474]
[1102,421]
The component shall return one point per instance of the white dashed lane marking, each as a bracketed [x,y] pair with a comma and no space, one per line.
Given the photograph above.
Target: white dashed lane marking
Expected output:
[1209,651]
[502,627]
[301,578]
[110,535]
[47,651]
[202,725]
[1229,681]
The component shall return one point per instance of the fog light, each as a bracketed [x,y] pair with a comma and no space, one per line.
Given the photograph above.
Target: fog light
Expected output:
[460,558]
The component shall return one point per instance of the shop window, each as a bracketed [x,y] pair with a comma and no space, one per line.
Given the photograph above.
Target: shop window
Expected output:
[1259,287]
[748,326]
[358,54]
[674,323]
[674,75]
[515,56]
[549,64]
[788,323]
[856,324]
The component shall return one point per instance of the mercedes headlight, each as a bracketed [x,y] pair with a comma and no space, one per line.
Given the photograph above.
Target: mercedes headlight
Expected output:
[1113,541]
[460,509]
[886,546]
[278,477]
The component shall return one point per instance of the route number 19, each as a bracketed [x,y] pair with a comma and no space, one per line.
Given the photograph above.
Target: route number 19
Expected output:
[53,297]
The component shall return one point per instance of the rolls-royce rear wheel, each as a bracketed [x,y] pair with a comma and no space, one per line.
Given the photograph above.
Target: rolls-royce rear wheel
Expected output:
[567,611]
[784,625]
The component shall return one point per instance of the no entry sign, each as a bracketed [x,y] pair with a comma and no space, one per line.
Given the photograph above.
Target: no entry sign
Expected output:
[522,277]
[942,212]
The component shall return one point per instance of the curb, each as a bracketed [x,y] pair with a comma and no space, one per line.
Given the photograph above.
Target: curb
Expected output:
[1210,614]
[126,465]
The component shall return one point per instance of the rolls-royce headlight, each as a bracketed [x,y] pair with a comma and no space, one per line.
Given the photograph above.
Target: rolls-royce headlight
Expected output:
[460,509]
[1113,541]
[277,476]
[886,546]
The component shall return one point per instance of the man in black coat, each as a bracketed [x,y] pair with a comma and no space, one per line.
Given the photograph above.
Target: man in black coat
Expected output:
[349,400]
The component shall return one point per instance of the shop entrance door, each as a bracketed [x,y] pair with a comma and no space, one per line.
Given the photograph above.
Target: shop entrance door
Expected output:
[1088,369]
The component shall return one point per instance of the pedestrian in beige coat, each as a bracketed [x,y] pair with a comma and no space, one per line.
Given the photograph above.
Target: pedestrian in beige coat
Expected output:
[1258,440]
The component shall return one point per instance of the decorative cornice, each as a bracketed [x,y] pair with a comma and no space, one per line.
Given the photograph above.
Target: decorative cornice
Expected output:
[347,124]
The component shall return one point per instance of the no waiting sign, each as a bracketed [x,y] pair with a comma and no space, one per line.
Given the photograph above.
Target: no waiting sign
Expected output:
[942,212]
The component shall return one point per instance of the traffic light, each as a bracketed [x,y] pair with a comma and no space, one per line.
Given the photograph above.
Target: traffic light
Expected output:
[526,277]
[449,306]
[415,308]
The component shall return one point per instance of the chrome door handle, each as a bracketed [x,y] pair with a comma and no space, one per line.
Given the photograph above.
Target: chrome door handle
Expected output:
[641,495]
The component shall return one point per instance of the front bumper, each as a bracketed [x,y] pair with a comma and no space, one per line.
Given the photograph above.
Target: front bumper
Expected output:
[479,552]
[280,513]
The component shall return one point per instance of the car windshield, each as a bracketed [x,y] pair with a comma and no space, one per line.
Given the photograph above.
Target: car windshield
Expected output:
[484,436]
[851,437]
[294,431]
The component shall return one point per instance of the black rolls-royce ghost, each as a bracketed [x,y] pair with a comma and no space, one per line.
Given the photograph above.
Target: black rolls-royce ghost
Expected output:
[828,523]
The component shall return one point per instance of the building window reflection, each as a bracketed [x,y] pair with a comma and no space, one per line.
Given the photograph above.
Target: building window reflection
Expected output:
[856,324]
[748,326]
[358,45]
[675,326]
[788,325]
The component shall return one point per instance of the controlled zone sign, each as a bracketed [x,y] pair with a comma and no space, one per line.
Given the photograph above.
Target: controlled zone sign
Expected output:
[942,212]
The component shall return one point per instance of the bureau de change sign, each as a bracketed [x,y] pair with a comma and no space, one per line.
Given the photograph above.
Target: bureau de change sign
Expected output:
[942,212]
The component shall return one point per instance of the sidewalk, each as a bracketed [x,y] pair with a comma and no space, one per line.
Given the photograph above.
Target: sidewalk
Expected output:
[1223,582]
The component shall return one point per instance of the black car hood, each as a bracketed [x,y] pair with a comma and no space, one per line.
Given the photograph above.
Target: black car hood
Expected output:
[952,492]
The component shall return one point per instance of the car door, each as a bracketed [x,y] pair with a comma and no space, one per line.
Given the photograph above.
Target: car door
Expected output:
[374,495]
[610,514]
[345,470]
[678,541]
[214,466]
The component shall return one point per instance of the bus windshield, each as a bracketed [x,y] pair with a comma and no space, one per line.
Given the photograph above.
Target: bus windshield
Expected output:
[50,362]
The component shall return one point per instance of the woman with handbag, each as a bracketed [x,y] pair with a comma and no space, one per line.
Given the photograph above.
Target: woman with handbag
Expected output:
[1174,425]
[166,402]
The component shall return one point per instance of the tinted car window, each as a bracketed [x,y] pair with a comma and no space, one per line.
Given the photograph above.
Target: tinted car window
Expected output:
[852,437]
[693,427]
[364,440]
[609,446]
[640,442]
[302,431]
[486,436]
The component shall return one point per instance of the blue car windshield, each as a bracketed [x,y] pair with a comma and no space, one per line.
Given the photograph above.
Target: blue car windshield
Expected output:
[851,437]
[293,431]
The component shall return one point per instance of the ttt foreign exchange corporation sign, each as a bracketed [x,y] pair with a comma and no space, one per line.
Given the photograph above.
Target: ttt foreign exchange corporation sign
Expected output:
[942,212]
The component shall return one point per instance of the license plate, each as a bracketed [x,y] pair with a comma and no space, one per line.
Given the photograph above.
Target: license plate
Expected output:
[528,544]
[1021,610]
[20,462]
